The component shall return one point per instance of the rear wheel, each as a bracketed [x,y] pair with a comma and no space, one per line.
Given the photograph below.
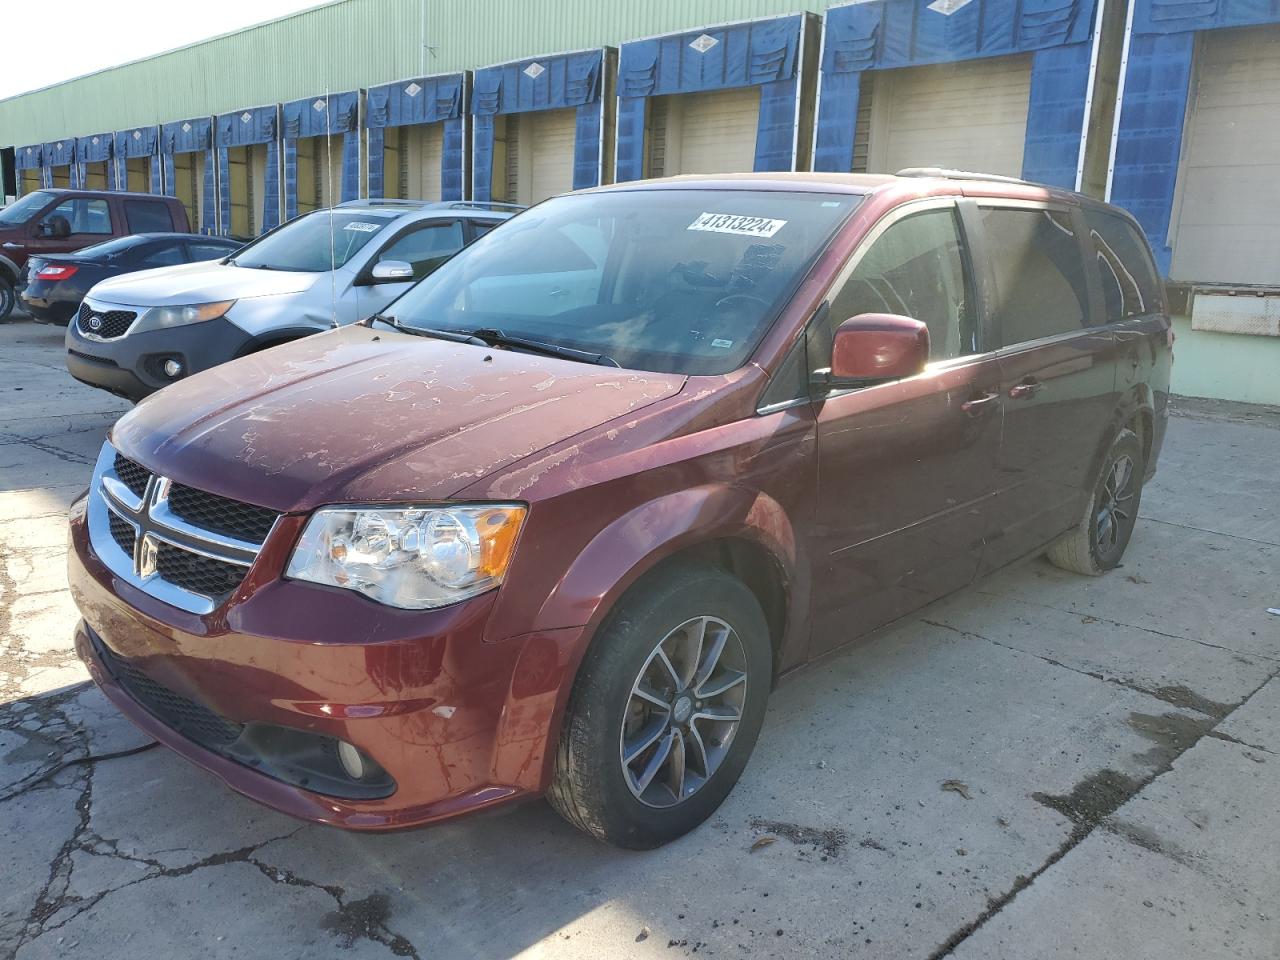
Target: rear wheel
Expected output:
[1098,542]
[666,709]
[8,298]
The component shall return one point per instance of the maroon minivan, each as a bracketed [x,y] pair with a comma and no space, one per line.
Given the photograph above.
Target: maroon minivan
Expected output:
[556,522]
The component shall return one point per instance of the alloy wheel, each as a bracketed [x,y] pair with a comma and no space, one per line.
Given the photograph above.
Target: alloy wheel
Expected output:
[683,711]
[1115,508]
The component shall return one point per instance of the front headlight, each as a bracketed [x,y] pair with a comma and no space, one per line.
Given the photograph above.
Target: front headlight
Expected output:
[410,557]
[159,317]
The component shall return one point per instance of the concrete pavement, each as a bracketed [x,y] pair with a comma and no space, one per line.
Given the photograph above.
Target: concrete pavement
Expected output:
[1041,766]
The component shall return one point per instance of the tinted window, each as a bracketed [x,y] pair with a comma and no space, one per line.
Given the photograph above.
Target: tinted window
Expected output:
[425,248]
[148,216]
[678,281]
[1130,287]
[915,269]
[481,227]
[113,247]
[1041,289]
[202,250]
[164,255]
[315,242]
[83,215]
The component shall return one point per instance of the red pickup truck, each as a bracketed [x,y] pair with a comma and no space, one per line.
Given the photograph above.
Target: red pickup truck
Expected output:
[61,221]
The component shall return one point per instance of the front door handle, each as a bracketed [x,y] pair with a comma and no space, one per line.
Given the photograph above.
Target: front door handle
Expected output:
[979,403]
[1027,388]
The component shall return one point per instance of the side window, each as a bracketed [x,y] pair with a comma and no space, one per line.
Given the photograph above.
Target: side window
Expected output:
[915,269]
[164,255]
[1130,287]
[426,248]
[82,215]
[480,227]
[208,251]
[148,216]
[1041,290]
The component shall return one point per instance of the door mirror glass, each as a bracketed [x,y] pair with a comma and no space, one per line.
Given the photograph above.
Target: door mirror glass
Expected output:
[878,346]
[391,271]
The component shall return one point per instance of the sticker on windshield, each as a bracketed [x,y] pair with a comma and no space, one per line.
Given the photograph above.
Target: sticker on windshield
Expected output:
[722,344]
[736,224]
[361,227]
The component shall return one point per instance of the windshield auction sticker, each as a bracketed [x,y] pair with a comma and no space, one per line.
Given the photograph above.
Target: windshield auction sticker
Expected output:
[736,224]
[361,227]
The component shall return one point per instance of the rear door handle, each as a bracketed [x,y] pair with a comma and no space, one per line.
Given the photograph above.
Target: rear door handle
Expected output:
[979,403]
[1027,388]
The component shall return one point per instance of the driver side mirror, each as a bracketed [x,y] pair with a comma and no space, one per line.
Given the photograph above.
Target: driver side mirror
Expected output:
[878,346]
[391,271]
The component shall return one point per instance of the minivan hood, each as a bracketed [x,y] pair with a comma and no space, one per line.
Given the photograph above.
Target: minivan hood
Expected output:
[364,415]
[198,283]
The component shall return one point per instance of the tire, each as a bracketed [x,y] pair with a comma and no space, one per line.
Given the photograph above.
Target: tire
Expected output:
[8,298]
[1097,543]
[592,786]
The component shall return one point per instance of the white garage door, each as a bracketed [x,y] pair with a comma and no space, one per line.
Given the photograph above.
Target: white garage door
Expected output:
[970,115]
[1226,222]
[540,153]
[708,132]
[421,149]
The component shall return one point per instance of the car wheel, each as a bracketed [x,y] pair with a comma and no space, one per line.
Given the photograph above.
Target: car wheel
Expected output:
[665,710]
[1098,541]
[8,298]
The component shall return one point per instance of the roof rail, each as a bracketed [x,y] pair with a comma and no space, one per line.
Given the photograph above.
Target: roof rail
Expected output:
[946,174]
[383,202]
[484,205]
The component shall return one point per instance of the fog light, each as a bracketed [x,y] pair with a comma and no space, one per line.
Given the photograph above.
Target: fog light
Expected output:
[352,761]
[172,368]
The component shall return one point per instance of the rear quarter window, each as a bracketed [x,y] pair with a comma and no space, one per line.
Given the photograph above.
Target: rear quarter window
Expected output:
[1126,273]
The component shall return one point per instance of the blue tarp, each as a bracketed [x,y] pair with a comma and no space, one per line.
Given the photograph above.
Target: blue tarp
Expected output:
[888,34]
[419,100]
[191,136]
[335,114]
[1156,89]
[759,52]
[134,143]
[245,128]
[539,83]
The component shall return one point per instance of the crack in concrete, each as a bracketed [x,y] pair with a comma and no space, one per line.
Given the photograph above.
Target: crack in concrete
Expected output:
[35,779]
[1086,823]
[1131,626]
[1216,533]
[1174,695]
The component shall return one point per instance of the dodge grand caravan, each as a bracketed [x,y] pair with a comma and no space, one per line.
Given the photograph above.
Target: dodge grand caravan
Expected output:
[556,521]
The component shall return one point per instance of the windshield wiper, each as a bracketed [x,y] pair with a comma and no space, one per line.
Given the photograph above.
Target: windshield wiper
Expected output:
[454,336]
[496,338]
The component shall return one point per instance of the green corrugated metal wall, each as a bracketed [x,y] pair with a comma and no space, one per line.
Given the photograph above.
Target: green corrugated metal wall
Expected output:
[345,45]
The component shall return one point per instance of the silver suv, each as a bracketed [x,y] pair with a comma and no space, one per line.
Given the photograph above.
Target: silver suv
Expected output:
[134,334]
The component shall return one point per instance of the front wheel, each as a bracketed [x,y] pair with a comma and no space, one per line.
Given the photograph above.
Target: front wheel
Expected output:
[666,709]
[1097,543]
[8,298]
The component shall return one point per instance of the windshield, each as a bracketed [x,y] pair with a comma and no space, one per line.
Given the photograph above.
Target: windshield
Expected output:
[304,244]
[674,281]
[20,211]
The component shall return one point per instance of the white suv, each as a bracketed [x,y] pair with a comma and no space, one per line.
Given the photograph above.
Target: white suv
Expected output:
[134,334]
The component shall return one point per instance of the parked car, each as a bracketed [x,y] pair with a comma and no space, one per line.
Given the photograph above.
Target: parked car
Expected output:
[136,334]
[557,527]
[62,221]
[56,283]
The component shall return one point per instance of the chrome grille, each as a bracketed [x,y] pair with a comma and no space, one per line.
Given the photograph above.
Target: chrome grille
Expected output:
[104,324]
[186,547]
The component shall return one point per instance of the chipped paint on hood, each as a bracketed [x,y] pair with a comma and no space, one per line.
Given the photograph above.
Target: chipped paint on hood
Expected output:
[365,415]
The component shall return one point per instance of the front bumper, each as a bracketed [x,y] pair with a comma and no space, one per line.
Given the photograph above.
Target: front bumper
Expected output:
[131,366]
[457,722]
